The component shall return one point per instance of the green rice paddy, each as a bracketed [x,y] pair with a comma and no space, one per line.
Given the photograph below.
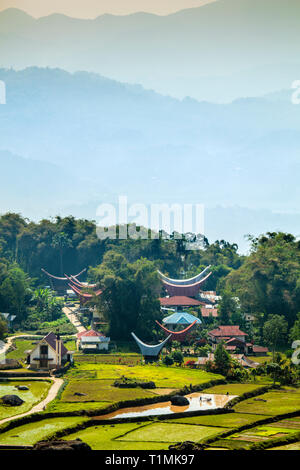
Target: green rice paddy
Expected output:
[168,377]
[274,403]
[31,433]
[101,391]
[230,420]
[110,437]
[171,432]
[37,392]
[233,389]
[130,436]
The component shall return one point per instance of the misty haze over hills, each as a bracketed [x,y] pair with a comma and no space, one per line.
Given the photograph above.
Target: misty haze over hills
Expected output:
[87,139]
[217,52]
[70,141]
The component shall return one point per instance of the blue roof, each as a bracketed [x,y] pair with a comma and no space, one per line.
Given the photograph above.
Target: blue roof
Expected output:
[181,318]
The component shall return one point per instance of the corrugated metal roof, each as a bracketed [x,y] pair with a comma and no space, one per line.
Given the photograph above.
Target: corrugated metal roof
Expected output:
[181,318]
[94,339]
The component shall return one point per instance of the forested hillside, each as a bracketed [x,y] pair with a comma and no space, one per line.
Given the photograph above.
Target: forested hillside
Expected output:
[266,281]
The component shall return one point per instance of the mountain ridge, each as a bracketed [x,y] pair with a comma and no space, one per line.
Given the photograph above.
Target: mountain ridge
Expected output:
[91,125]
[215,52]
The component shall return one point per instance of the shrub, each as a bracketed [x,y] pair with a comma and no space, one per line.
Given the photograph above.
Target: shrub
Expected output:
[190,363]
[168,360]
[177,357]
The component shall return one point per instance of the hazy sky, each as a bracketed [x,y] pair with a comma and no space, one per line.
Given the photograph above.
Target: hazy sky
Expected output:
[93,8]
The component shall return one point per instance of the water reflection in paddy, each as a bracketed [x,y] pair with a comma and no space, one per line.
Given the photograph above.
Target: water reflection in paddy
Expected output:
[197,402]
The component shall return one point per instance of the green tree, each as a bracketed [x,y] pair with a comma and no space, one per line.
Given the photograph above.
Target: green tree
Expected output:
[268,282]
[275,332]
[274,370]
[168,360]
[227,307]
[129,301]
[61,242]
[295,330]
[48,307]
[15,292]
[222,360]
[178,357]
[3,327]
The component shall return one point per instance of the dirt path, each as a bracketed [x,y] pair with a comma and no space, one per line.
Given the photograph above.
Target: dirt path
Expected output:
[53,391]
[5,346]
[69,312]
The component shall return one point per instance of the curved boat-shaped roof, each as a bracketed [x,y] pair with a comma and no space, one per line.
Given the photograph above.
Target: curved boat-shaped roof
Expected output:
[184,282]
[80,285]
[148,349]
[181,318]
[190,290]
[61,278]
[177,335]
[84,295]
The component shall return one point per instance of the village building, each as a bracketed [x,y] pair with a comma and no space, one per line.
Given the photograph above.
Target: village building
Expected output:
[60,284]
[231,335]
[235,341]
[210,297]
[209,311]
[240,358]
[179,319]
[249,318]
[179,302]
[255,350]
[92,341]
[185,287]
[49,353]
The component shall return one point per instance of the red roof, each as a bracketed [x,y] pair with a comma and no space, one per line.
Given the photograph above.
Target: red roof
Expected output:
[207,312]
[259,349]
[230,330]
[89,333]
[230,348]
[179,300]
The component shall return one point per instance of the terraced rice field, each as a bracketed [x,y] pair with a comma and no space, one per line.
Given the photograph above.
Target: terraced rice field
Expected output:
[90,385]
[164,377]
[230,420]
[271,403]
[233,389]
[117,359]
[130,436]
[31,433]
[101,391]
[110,437]
[279,429]
[36,393]
[294,446]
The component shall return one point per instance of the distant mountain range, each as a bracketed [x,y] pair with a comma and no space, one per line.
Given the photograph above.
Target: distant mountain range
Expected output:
[210,122]
[85,139]
[217,52]
[37,189]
